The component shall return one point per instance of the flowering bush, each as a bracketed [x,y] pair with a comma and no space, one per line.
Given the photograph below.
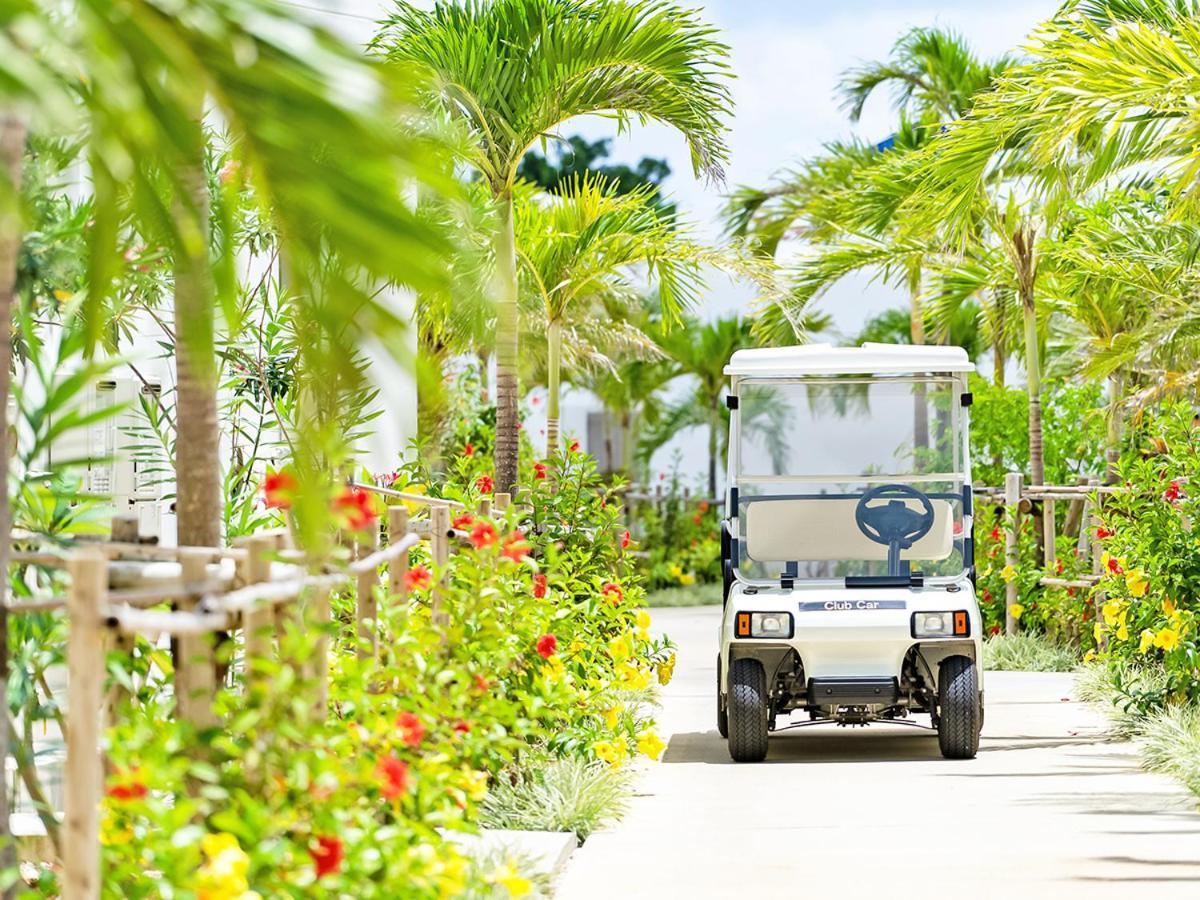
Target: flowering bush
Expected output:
[1151,561]
[681,538]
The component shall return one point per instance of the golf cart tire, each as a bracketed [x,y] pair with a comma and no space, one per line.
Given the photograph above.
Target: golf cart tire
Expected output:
[959,718]
[747,711]
[722,712]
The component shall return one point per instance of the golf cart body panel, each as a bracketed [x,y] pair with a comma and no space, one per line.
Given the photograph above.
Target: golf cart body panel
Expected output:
[847,547]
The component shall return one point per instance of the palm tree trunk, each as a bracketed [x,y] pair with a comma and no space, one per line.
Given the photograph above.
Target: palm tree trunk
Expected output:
[198,502]
[626,444]
[12,146]
[920,403]
[507,342]
[1033,378]
[553,385]
[999,351]
[714,425]
[1112,450]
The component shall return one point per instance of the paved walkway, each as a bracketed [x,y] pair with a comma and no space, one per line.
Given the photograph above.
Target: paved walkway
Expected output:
[1050,808]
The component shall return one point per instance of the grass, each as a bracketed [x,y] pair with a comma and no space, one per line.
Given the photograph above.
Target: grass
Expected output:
[1116,693]
[558,795]
[1027,653]
[487,865]
[691,595]
[1171,744]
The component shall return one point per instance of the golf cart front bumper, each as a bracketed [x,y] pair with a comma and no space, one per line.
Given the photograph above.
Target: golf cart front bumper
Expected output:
[851,644]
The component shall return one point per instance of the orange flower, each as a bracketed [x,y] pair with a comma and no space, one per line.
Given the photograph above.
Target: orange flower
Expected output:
[482,683]
[484,484]
[412,732]
[483,534]
[516,547]
[418,578]
[539,586]
[462,726]
[354,509]
[129,787]
[279,489]
[539,471]
[547,646]
[612,593]
[468,450]
[463,522]
[625,540]
[393,777]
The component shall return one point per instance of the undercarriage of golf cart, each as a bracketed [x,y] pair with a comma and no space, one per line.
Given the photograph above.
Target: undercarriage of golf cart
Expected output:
[852,701]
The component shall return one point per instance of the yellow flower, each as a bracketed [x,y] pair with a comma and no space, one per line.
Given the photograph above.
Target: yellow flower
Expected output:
[552,671]
[612,752]
[412,505]
[1112,611]
[612,715]
[650,744]
[1168,607]
[1167,639]
[61,295]
[223,875]
[1123,626]
[1089,656]
[642,618]
[632,677]
[666,670]
[1146,642]
[474,784]
[620,648]
[1097,631]
[687,579]
[1135,580]
[1016,609]
[508,878]
[676,570]
[1008,573]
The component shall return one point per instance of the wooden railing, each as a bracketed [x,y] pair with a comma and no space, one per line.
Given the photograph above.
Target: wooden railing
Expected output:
[268,586]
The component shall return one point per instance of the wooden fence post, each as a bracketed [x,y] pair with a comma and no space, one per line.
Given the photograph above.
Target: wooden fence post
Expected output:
[195,678]
[257,622]
[85,682]
[397,530]
[439,549]
[485,506]
[1012,509]
[366,604]
[1049,533]
[123,530]
[502,501]
[320,616]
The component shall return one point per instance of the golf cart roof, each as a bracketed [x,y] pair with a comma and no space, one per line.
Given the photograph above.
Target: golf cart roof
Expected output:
[869,359]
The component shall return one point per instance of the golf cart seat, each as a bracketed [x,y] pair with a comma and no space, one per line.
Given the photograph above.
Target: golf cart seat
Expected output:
[824,529]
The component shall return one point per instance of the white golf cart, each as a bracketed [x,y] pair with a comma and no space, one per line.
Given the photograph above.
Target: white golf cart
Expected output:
[846,547]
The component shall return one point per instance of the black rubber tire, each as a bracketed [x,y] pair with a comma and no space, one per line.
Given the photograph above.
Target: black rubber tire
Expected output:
[959,715]
[722,712]
[747,712]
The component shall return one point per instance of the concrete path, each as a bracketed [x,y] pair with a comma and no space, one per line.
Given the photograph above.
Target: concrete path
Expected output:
[1050,807]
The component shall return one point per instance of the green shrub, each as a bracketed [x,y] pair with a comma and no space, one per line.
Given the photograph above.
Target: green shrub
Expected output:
[1171,744]
[1027,653]
[692,595]
[1128,693]
[568,794]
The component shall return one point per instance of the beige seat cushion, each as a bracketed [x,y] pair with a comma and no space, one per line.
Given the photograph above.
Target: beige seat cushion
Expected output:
[825,530]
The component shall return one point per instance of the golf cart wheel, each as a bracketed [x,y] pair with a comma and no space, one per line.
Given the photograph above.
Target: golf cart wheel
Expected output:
[722,712]
[959,718]
[747,711]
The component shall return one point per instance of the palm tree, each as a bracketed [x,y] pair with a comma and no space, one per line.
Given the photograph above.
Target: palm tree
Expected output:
[509,72]
[148,72]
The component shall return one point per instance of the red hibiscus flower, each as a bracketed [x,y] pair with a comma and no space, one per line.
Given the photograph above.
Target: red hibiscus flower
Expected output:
[994,630]
[625,540]
[354,509]
[483,534]
[573,447]
[418,578]
[462,726]
[987,596]
[279,489]
[539,471]
[482,683]
[463,522]
[393,777]
[1114,566]
[129,787]
[1173,492]
[1102,533]
[468,450]
[547,646]
[516,547]
[703,506]
[539,586]
[1058,566]
[484,484]
[995,535]
[412,732]
[697,519]
[612,593]
[327,855]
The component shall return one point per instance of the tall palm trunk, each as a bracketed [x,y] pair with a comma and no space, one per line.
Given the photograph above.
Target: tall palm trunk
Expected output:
[1112,449]
[198,502]
[999,348]
[12,146]
[714,426]
[1026,266]
[553,384]
[507,340]
[920,403]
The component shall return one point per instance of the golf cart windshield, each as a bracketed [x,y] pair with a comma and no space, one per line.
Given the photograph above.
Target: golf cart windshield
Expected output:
[849,476]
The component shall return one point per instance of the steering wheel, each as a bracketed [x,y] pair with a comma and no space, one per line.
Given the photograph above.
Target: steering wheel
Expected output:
[894,523]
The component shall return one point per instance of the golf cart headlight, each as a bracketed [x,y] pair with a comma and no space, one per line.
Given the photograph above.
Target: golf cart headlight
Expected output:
[764,625]
[941,624]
